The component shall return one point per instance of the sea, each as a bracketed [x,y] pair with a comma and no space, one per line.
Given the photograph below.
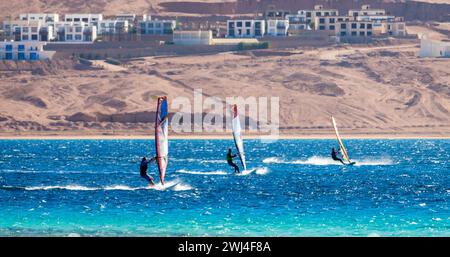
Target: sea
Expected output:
[398,187]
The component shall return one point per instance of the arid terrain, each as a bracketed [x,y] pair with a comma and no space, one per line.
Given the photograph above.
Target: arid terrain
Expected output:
[371,90]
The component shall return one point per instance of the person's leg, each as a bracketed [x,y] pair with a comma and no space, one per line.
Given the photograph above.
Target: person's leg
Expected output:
[149,179]
[236,168]
[341,161]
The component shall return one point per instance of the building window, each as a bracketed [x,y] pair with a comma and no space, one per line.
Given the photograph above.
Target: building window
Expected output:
[34,29]
[332,20]
[69,19]
[321,27]
[25,37]
[354,26]
[343,26]
[9,48]
[231,25]
[21,48]
[239,24]
[85,20]
[369,33]
[354,33]
[332,27]
[34,37]
[343,34]
[21,56]
[322,20]
[362,26]
[69,37]
[150,25]
[8,56]
[34,56]
[157,25]
[369,26]
[326,14]
[258,25]
[361,33]
[318,14]
[248,32]
[248,24]
[25,30]
[78,37]
[308,14]
[76,19]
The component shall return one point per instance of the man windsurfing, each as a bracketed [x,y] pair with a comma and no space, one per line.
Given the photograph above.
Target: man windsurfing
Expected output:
[334,154]
[230,162]
[143,169]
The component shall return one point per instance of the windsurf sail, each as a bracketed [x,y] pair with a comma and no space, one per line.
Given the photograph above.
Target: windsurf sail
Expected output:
[341,145]
[237,136]
[161,137]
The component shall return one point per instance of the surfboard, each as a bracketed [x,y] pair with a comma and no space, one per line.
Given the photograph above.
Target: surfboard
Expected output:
[237,136]
[341,145]
[162,137]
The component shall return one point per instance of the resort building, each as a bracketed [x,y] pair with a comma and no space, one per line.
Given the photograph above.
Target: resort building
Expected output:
[29,50]
[277,27]
[87,18]
[112,27]
[75,32]
[386,25]
[350,27]
[297,23]
[45,17]
[245,28]
[434,48]
[366,11]
[23,30]
[157,27]
[328,23]
[318,11]
[194,37]
[275,14]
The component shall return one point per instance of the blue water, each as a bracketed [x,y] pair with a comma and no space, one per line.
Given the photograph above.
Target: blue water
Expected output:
[93,188]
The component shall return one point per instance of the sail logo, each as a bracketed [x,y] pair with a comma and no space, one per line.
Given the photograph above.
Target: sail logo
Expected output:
[258,115]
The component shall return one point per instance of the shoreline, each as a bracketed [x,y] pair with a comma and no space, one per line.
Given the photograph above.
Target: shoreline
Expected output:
[223,137]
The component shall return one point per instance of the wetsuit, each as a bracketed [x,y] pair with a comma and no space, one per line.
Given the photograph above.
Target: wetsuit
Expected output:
[334,156]
[144,167]
[231,163]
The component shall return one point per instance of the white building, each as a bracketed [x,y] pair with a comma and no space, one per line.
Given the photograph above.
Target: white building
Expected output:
[87,18]
[277,27]
[24,30]
[434,48]
[12,50]
[194,37]
[245,28]
[45,17]
[112,26]
[157,27]
[318,11]
[366,11]
[75,32]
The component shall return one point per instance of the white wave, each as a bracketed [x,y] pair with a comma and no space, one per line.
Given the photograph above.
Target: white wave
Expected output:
[182,187]
[219,172]
[319,160]
[262,171]
[213,161]
[168,185]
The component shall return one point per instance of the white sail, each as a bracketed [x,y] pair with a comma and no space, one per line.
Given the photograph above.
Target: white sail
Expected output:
[341,145]
[161,137]
[238,136]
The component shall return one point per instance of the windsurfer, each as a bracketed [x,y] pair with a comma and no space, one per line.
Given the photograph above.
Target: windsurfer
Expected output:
[144,167]
[334,154]
[230,157]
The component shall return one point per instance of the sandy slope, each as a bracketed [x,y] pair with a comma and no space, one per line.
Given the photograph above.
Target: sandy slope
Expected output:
[369,90]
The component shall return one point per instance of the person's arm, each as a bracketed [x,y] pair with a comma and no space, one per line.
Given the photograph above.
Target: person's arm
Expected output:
[234,155]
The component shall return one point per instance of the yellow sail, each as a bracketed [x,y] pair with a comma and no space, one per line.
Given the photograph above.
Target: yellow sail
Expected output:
[344,152]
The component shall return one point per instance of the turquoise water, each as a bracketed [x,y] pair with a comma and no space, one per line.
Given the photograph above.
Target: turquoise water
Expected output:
[93,188]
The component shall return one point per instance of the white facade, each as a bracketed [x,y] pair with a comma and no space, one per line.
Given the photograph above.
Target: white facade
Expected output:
[87,18]
[245,28]
[277,27]
[318,11]
[366,11]
[45,17]
[24,30]
[157,27]
[434,48]
[112,26]
[29,50]
[75,32]
[196,37]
